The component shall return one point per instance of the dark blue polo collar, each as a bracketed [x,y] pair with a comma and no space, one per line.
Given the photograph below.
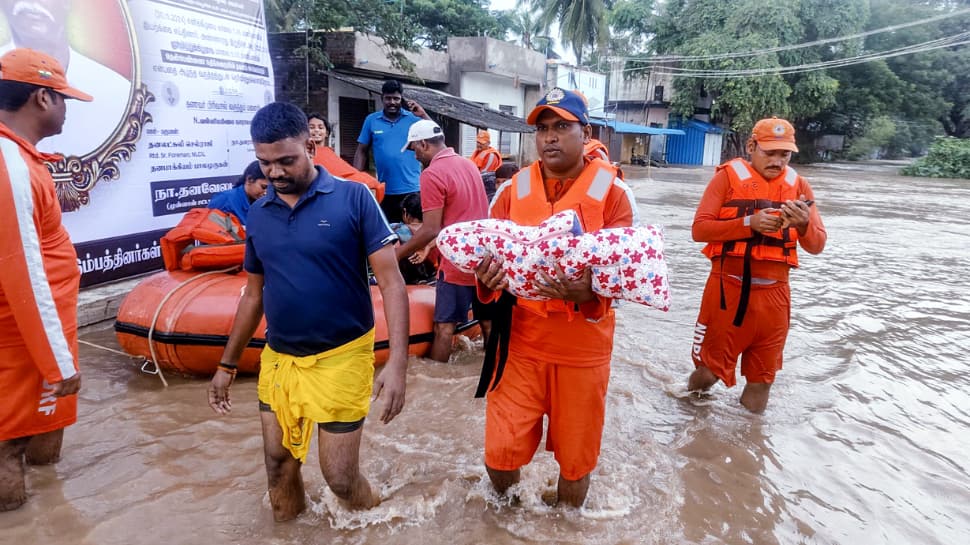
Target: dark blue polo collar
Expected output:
[403,115]
[323,183]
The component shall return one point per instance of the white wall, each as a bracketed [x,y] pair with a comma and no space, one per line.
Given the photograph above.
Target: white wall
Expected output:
[591,84]
[494,91]
[712,149]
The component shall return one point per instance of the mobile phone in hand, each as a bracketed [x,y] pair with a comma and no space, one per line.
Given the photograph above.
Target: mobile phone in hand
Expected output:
[809,202]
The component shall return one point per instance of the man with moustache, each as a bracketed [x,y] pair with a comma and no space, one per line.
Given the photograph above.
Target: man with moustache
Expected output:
[558,351]
[308,244]
[40,279]
[386,133]
[42,25]
[753,215]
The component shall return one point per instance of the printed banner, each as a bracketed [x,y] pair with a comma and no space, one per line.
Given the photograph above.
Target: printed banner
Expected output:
[175,85]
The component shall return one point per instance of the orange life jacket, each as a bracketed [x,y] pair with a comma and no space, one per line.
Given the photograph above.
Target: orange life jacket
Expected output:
[204,239]
[336,166]
[592,148]
[480,158]
[750,192]
[529,206]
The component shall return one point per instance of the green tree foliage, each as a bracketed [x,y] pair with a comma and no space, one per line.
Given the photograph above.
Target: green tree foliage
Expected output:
[937,83]
[370,16]
[878,134]
[631,23]
[948,157]
[436,20]
[924,95]
[920,95]
[402,24]
[533,33]
[706,27]
[582,23]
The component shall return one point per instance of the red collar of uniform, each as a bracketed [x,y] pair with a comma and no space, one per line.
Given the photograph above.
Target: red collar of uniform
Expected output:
[27,146]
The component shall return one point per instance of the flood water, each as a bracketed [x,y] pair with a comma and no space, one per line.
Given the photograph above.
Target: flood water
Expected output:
[865,440]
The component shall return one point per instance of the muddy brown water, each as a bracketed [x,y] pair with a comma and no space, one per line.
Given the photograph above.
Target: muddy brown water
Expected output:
[865,439]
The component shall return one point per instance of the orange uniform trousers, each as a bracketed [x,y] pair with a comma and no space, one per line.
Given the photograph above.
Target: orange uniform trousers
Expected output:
[760,340]
[574,399]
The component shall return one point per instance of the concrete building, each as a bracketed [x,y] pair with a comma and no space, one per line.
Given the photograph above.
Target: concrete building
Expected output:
[501,76]
[640,100]
[479,83]
[592,84]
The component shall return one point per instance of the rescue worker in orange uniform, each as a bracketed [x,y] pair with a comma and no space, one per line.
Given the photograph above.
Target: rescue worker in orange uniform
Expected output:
[558,351]
[40,278]
[753,216]
[596,150]
[485,157]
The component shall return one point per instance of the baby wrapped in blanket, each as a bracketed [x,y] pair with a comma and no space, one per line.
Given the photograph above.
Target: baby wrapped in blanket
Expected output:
[628,262]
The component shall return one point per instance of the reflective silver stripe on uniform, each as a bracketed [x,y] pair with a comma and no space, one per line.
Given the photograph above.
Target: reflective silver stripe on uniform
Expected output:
[491,159]
[740,169]
[523,183]
[501,189]
[23,201]
[601,184]
[791,176]
[630,197]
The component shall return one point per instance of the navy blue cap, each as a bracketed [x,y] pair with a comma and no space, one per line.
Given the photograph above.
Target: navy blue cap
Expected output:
[569,105]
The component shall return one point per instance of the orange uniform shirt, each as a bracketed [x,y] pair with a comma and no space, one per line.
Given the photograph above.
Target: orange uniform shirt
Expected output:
[595,149]
[567,338]
[39,280]
[708,227]
[487,160]
[335,165]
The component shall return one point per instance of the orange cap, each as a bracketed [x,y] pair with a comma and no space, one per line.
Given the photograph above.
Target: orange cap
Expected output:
[31,66]
[483,137]
[774,134]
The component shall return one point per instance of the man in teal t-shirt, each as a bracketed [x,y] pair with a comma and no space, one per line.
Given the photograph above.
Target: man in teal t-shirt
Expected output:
[387,132]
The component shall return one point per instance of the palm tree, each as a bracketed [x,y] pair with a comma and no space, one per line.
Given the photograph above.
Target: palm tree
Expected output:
[285,15]
[582,23]
[530,29]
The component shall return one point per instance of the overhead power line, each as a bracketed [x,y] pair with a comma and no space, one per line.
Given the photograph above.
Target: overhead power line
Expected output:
[754,53]
[955,40]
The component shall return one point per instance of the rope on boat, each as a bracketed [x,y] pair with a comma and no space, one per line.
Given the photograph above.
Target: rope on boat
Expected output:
[105,348]
[158,311]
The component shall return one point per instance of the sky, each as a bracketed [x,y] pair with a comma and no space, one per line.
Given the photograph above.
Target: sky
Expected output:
[567,55]
[503,4]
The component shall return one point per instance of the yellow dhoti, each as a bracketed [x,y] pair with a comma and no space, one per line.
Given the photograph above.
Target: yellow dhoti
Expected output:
[332,386]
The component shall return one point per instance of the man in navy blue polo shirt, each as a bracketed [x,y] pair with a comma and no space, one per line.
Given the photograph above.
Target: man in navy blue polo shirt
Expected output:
[387,132]
[307,244]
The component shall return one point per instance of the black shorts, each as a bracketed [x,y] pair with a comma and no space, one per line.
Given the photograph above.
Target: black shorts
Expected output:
[483,311]
[329,427]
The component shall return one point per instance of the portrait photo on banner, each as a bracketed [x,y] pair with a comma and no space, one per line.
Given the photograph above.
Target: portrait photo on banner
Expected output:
[94,41]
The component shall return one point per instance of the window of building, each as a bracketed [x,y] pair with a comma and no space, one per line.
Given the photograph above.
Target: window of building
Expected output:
[468,134]
[504,137]
[658,93]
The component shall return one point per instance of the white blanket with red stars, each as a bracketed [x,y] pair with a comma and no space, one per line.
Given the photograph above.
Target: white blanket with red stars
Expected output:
[628,262]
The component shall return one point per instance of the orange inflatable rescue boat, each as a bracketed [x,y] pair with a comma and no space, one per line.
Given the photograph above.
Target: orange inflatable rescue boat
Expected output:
[181,321]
